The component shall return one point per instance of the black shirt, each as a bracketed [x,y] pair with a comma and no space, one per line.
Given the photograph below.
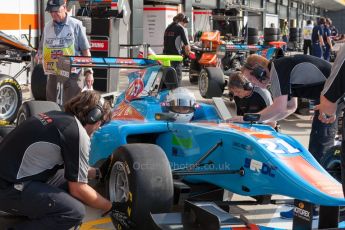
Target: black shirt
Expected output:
[174,38]
[43,144]
[335,84]
[300,76]
[255,102]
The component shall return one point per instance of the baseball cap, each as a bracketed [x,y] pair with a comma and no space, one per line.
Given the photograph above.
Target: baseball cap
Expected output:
[54,5]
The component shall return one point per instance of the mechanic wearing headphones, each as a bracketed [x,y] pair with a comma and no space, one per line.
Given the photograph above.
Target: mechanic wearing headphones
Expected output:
[248,98]
[290,78]
[44,167]
[175,39]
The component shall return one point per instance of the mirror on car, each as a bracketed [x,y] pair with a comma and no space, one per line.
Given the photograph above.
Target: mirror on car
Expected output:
[165,117]
[251,117]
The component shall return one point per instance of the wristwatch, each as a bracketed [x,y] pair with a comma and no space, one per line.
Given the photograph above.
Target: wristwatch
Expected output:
[98,174]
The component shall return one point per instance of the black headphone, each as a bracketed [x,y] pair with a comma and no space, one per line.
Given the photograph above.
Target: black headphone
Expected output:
[258,71]
[95,114]
[248,86]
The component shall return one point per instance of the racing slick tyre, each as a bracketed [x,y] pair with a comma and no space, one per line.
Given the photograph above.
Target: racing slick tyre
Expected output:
[38,83]
[271,38]
[211,82]
[141,179]
[331,161]
[252,40]
[271,31]
[31,108]
[10,98]
[193,69]
[253,31]
[4,130]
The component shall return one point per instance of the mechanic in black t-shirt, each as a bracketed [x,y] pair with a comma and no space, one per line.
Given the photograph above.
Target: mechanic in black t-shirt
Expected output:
[248,98]
[299,76]
[44,167]
[175,39]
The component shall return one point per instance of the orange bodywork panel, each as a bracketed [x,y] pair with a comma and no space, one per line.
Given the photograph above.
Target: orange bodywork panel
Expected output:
[209,38]
[208,59]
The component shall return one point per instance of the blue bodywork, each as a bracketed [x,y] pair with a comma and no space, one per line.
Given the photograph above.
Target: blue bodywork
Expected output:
[273,163]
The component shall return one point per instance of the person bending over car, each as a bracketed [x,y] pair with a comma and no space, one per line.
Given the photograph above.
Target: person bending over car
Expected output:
[249,98]
[44,167]
[289,78]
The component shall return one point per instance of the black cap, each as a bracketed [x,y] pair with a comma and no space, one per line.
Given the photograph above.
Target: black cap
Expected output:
[54,5]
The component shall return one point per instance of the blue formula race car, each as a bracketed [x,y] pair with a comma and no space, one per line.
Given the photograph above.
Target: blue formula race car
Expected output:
[154,159]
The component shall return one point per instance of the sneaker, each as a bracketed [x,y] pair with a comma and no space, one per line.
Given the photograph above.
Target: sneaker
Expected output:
[289,214]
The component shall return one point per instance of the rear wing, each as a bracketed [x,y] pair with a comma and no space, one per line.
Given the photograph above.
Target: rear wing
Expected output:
[67,63]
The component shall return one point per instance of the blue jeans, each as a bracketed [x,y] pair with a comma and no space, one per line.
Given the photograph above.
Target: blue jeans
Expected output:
[285,39]
[321,136]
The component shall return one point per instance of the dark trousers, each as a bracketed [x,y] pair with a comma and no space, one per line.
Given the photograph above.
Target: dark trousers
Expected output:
[47,205]
[343,153]
[327,53]
[307,46]
[178,67]
[317,51]
[321,136]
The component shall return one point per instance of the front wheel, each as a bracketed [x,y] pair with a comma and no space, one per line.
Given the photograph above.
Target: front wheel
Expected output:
[141,178]
[331,161]
[10,98]
[211,82]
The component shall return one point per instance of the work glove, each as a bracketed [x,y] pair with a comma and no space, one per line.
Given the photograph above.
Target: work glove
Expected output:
[118,213]
[105,168]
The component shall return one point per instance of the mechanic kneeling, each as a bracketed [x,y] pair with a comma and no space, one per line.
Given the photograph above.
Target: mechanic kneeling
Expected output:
[44,167]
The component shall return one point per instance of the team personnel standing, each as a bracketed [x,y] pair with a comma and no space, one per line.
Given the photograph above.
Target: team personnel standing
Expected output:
[285,34]
[334,89]
[317,38]
[175,39]
[307,31]
[45,177]
[327,39]
[62,36]
[88,85]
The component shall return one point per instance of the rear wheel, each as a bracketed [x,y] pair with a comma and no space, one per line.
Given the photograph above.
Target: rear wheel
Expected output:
[331,161]
[10,98]
[38,83]
[211,82]
[31,108]
[141,178]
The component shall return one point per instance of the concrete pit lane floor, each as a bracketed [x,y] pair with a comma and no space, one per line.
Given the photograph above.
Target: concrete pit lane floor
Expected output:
[267,215]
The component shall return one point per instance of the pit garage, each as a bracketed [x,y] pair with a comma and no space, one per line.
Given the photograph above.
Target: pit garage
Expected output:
[207,173]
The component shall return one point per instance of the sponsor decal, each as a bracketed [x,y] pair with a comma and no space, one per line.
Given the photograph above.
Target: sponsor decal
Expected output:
[82,60]
[55,54]
[182,142]
[99,45]
[260,167]
[242,146]
[45,120]
[134,90]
